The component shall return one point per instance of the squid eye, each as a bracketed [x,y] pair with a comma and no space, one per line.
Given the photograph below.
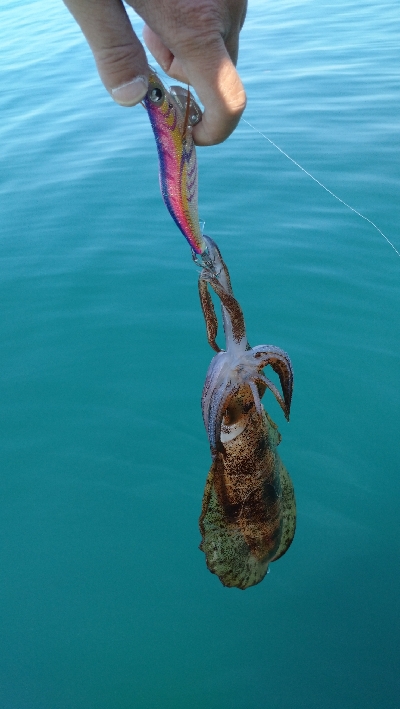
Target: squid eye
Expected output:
[156,95]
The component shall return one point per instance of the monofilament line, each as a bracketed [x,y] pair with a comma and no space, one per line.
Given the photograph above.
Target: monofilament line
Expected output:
[321,185]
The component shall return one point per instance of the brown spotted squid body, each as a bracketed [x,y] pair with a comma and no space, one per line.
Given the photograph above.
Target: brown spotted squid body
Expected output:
[248,515]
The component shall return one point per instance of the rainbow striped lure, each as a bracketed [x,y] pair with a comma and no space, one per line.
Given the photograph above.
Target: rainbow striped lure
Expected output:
[172,115]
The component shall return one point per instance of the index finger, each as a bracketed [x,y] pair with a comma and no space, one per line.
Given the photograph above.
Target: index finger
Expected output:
[222,94]
[207,67]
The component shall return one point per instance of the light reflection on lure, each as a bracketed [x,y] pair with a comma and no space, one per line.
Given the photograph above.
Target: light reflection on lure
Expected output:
[172,115]
[248,514]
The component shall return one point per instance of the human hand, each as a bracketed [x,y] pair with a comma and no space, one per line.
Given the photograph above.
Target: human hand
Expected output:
[194,41]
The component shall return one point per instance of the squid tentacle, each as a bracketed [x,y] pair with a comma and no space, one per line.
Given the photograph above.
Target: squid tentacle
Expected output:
[256,395]
[230,303]
[219,265]
[218,404]
[279,361]
[271,386]
[210,317]
[215,375]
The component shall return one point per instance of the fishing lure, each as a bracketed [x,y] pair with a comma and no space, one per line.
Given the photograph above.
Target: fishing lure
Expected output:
[172,115]
[248,516]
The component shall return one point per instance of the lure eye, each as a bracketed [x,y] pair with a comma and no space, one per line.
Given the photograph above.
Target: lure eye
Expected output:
[156,95]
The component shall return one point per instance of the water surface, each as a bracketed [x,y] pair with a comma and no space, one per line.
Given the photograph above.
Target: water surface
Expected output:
[105,598]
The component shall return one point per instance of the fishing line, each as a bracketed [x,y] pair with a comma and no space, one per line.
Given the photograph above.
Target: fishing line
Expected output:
[321,185]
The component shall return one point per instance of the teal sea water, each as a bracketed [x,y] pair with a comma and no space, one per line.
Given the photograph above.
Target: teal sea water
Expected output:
[105,599]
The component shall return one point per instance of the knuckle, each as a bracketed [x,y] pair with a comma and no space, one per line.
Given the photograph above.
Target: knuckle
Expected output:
[203,15]
[237,104]
[199,25]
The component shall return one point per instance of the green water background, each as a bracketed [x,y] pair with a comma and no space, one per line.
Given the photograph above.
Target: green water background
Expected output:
[106,602]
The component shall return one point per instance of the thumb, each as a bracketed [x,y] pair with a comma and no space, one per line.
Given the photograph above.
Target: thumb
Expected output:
[119,55]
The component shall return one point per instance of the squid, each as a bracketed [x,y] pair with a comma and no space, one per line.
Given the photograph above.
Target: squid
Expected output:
[248,515]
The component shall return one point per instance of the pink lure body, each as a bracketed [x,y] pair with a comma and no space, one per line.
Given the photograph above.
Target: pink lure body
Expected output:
[172,124]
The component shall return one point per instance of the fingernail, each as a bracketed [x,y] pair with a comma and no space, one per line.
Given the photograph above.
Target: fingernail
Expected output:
[132,92]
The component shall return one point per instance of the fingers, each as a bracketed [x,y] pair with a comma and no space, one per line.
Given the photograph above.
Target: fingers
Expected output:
[215,80]
[197,42]
[119,55]
[221,92]
[160,52]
